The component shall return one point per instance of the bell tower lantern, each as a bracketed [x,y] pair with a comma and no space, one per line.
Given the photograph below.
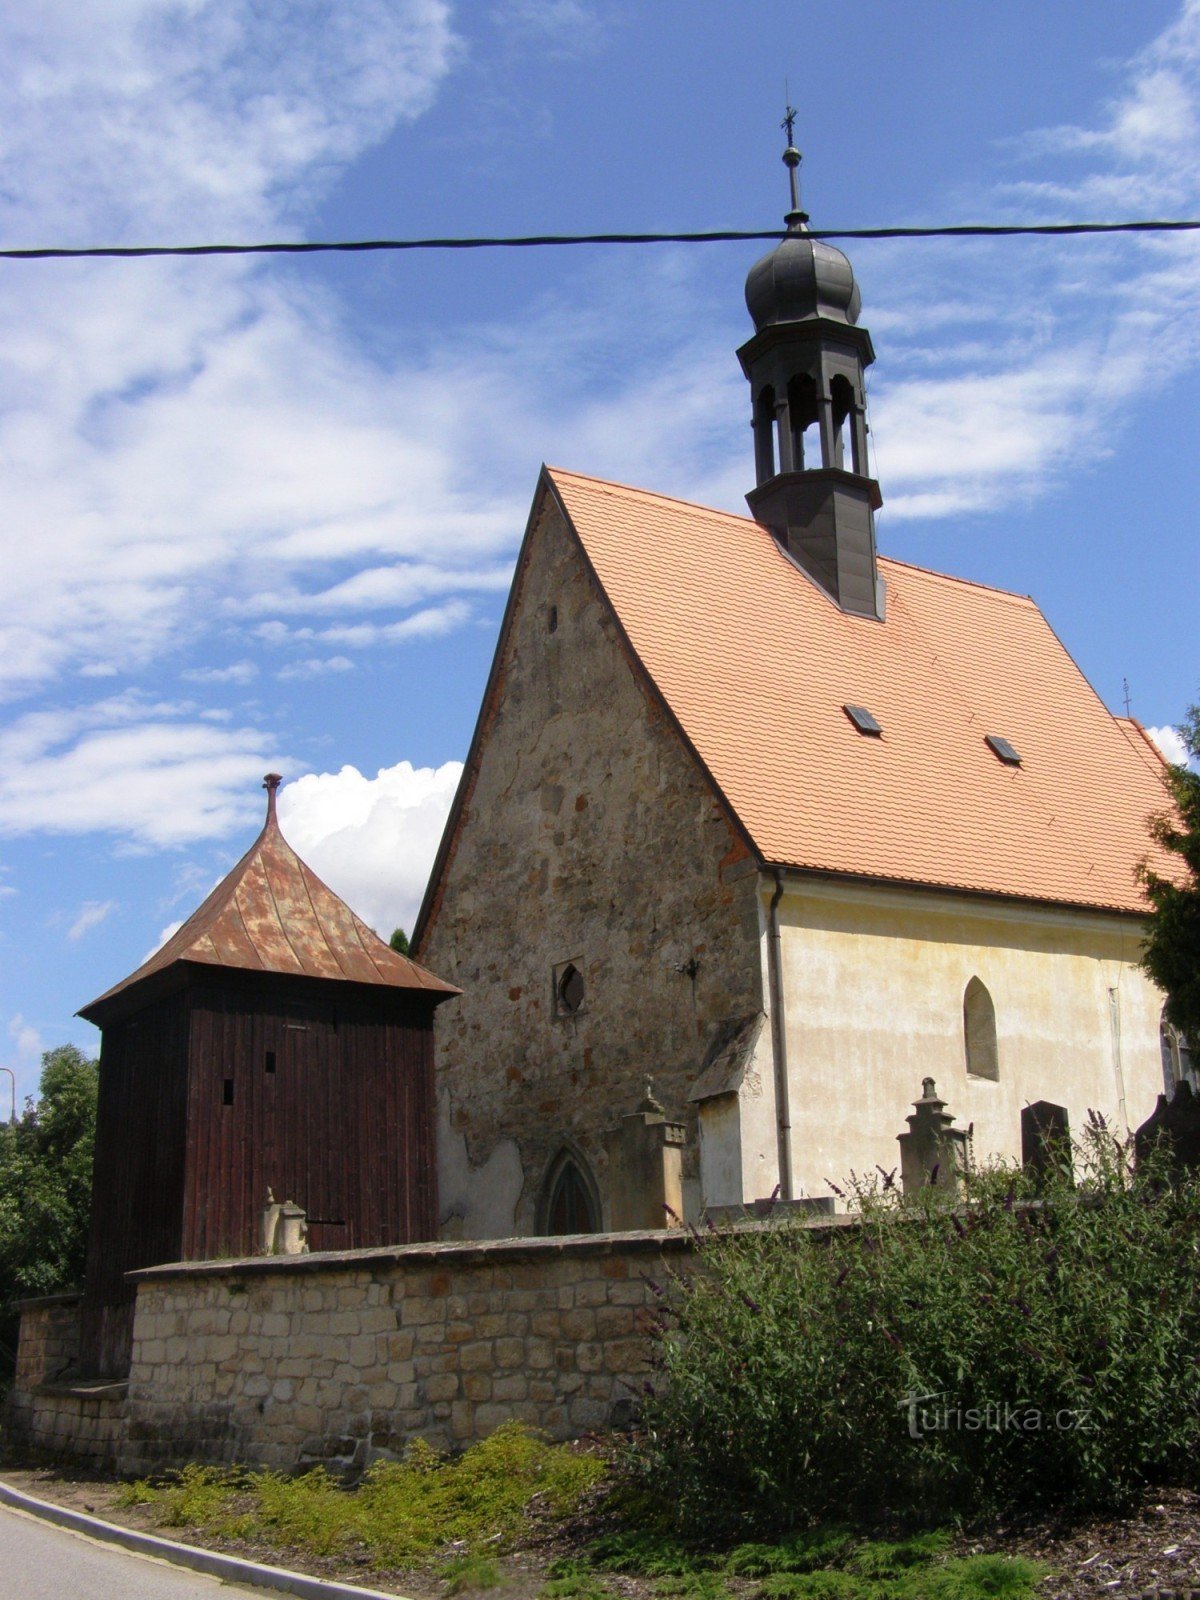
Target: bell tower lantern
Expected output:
[805,364]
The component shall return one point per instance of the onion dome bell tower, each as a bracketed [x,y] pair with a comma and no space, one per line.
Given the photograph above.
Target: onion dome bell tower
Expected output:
[805,364]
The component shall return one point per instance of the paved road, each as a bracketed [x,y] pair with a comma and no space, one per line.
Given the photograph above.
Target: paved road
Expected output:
[42,1562]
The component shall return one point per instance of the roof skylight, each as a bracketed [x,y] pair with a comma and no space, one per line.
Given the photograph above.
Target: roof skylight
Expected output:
[1003,750]
[863,720]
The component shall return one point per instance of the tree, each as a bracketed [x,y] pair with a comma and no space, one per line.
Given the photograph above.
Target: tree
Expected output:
[46,1188]
[399,941]
[1171,950]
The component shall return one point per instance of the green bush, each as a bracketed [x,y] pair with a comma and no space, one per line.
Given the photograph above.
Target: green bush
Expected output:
[1055,1337]
[401,1511]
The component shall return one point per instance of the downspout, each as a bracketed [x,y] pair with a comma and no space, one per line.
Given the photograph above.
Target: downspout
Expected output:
[783,1112]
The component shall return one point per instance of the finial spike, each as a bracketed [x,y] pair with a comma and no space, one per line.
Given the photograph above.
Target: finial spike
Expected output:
[792,158]
[271,783]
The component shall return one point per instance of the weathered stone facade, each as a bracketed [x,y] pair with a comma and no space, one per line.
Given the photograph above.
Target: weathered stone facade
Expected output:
[589,835]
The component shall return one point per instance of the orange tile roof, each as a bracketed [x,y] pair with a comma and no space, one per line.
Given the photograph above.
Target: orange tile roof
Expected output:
[756,664]
[272,913]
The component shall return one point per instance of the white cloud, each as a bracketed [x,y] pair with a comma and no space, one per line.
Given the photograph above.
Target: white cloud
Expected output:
[372,840]
[169,932]
[316,667]
[236,672]
[567,28]
[148,772]
[90,915]
[1171,745]
[426,624]
[27,1039]
[377,588]
[120,388]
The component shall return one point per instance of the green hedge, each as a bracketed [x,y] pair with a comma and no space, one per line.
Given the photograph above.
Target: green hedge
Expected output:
[1056,1333]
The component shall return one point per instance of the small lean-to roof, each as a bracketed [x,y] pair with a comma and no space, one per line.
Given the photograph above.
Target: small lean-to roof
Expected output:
[756,665]
[272,913]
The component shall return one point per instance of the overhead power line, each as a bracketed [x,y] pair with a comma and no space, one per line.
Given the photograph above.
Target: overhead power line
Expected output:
[526,241]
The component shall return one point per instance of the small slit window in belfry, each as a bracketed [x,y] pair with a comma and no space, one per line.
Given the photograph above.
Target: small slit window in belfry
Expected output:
[1002,750]
[227,1093]
[552,619]
[569,989]
[269,1061]
[863,721]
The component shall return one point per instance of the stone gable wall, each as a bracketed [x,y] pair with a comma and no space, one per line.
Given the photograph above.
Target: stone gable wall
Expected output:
[343,1358]
[590,836]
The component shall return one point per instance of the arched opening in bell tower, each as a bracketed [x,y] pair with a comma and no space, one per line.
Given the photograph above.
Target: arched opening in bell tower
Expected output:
[804,421]
[845,435]
[764,434]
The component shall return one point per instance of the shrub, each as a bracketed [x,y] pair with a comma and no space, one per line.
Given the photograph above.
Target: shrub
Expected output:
[1054,1338]
[401,1511]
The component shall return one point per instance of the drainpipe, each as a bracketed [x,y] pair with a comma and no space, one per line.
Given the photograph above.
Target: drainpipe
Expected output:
[779,1040]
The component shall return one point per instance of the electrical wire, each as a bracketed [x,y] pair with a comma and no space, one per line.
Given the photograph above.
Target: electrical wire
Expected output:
[537,240]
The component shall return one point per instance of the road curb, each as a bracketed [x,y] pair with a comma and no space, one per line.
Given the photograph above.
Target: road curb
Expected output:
[232,1569]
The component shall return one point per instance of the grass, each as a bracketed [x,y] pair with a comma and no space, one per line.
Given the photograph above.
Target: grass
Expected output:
[471,1573]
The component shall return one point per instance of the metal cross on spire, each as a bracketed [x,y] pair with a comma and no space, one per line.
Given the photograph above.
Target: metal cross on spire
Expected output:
[791,160]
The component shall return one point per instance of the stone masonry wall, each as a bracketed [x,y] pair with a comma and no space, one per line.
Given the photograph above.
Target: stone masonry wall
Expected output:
[49,1342]
[49,1413]
[343,1358]
[589,835]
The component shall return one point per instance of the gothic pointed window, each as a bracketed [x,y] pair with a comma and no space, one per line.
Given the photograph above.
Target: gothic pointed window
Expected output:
[979,1032]
[570,1203]
[1178,1066]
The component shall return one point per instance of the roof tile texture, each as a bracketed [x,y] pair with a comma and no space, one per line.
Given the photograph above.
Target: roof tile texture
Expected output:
[756,664]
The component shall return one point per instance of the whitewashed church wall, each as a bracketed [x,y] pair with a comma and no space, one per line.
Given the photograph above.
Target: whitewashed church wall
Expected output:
[874,981]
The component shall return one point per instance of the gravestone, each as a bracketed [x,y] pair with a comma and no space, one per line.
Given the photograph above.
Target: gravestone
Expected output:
[933,1153]
[1175,1125]
[1045,1139]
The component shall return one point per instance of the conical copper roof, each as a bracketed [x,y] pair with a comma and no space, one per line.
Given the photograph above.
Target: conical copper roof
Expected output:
[272,913]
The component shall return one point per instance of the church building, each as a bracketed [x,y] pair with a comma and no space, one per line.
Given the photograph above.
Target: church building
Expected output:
[785,826]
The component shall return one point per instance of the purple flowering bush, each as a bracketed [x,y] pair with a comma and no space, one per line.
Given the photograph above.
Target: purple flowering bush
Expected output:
[1029,1347]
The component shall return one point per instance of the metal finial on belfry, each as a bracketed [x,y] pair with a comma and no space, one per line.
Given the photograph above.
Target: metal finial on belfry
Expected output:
[270,783]
[792,158]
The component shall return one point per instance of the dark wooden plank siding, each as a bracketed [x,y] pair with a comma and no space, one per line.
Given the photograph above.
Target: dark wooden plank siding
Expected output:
[343,1127]
[138,1173]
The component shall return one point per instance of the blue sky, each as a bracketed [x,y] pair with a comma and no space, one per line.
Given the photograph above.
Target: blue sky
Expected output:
[263,514]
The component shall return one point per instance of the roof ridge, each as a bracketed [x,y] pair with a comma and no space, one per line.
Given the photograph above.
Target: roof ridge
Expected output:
[1135,730]
[652,494]
[951,577]
[737,516]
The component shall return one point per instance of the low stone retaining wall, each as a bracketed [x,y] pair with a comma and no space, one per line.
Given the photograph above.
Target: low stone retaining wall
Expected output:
[46,1411]
[49,1343]
[344,1357]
